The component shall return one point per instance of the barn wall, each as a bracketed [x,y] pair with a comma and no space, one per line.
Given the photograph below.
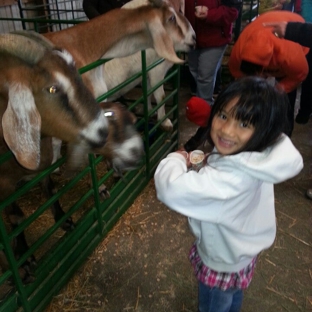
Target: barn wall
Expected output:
[18,15]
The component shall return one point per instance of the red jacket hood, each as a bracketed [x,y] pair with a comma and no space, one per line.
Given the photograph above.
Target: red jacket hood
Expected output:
[251,51]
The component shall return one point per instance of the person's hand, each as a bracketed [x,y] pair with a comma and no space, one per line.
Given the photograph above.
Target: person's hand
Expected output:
[278,28]
[185,154]
[201,11]
[279,5]
[182,152]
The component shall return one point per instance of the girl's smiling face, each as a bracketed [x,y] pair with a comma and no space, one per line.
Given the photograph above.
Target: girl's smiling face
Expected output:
[228,134]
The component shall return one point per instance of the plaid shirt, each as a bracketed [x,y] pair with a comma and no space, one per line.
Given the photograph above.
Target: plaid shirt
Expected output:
[222,280]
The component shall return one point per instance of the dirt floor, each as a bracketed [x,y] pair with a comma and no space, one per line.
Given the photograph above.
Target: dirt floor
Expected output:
[142,264]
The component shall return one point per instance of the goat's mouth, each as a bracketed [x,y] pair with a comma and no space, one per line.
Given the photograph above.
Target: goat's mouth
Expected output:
[96,141]
[192,46]
[93,145]
[128,155]
[96,133]
[121,166]
[185,47]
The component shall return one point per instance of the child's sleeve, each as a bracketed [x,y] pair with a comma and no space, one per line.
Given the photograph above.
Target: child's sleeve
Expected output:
[198,195]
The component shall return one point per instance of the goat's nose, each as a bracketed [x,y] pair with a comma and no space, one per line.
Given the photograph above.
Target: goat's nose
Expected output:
[101,139]
[96,131]
[102,133]
[97,139]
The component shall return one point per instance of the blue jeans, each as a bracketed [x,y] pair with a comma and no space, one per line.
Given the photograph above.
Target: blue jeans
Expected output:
[217,300]
[204,65]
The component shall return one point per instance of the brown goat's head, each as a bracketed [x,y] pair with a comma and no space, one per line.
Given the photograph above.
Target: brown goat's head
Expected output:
[180,33]
[124,148]
[43,94]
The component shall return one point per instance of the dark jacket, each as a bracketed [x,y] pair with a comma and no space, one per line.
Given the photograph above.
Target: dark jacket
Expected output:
[216,29]
[300,33]
[94,8]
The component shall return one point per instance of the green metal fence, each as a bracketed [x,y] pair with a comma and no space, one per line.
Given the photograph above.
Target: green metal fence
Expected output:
[60,253]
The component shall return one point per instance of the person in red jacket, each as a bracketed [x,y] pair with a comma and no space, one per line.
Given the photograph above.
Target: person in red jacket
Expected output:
[258,51]
[213,24]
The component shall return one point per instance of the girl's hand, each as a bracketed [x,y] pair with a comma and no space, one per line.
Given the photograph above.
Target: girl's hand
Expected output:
[186,156]
[206,157]
[201,11]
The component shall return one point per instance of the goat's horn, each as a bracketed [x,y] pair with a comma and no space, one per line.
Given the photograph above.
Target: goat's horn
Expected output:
[22,47]
[156,3]
[34,36]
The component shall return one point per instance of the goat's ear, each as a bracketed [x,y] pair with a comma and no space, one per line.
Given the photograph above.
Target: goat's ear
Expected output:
[21,124]
[156,3]
[182,6]
[162,43]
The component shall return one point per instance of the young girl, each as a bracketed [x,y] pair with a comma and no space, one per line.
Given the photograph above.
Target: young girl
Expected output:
[230,201]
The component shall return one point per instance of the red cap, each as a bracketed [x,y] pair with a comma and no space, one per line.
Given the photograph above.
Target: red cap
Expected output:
[198,111]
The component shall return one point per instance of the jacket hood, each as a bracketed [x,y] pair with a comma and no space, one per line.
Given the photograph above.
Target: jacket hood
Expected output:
[276,164]
[251,51]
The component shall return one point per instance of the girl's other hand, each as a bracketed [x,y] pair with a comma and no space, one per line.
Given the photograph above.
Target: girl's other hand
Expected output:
[206,157]
[201,11]
[186,156]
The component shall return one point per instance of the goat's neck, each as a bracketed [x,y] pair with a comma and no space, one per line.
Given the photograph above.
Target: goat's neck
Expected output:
[84,42]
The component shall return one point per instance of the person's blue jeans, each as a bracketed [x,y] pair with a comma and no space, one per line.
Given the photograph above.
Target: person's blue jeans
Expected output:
[217,300]
[204,65]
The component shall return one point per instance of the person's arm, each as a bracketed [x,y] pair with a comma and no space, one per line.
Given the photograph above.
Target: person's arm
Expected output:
[198,195]
[294,31]
[300,33]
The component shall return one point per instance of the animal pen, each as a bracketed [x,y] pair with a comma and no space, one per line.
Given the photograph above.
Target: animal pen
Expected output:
[59,253]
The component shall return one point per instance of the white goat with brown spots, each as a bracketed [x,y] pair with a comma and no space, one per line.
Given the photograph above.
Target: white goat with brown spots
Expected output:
[118,70]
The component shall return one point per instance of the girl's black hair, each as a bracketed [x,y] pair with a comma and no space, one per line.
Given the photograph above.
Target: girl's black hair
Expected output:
[259,103]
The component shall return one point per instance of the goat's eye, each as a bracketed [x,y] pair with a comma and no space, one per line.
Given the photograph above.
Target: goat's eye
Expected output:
[53,89]
[172,19]
[110,115]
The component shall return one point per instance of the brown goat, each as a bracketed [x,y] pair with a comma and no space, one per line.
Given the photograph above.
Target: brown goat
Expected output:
[41,95]
[119,33]
[123,149]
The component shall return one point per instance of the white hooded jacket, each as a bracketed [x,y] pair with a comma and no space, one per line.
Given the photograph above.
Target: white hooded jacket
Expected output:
[230,201]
